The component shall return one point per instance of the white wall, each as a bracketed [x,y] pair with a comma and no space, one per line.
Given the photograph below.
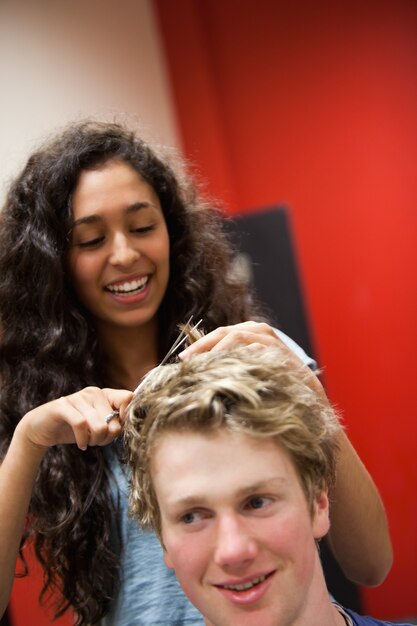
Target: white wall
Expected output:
[62,60]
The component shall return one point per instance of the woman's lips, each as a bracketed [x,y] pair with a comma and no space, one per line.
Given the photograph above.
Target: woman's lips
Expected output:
[130,291]
[128,286]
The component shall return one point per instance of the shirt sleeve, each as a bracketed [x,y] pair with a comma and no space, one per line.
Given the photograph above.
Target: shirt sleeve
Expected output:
[298,351]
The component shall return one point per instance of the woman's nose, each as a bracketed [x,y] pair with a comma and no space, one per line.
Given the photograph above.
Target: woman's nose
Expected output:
[123,251]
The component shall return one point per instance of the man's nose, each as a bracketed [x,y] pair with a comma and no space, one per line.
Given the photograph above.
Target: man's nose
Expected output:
[235,543]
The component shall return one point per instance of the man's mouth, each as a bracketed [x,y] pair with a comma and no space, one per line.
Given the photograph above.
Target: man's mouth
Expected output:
[245,586]
[128,288]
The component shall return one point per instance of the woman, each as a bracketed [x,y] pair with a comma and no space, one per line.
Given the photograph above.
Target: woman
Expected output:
[103,251]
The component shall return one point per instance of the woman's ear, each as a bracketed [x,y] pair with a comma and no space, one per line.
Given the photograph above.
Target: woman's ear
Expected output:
[321,518]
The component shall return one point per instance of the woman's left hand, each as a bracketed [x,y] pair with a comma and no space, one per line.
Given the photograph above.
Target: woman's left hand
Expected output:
[251,334]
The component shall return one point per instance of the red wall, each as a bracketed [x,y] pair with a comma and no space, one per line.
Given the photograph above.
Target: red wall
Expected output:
[315,104]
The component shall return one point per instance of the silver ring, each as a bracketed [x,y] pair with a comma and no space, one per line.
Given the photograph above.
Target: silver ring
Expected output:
[111,415]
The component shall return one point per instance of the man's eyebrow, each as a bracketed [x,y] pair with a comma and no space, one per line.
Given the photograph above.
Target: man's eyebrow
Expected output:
[188,501]
[262,485]
[200,500]
[94,218]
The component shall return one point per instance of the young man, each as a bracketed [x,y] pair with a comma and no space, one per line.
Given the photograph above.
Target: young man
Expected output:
[233,458]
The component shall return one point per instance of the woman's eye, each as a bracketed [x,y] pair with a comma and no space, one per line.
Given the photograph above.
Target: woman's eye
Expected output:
[144,229]
[91,243]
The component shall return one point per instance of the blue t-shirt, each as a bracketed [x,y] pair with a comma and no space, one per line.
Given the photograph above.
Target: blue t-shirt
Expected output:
[150,594]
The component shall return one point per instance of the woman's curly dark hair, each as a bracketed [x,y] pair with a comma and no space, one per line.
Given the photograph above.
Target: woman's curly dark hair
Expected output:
[49,347]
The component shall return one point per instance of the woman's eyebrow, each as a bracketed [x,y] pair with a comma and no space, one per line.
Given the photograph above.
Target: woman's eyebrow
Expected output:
[88,219]
[94,218]
[137,206]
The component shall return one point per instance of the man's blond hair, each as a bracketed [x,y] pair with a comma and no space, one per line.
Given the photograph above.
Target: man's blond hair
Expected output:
[259,393]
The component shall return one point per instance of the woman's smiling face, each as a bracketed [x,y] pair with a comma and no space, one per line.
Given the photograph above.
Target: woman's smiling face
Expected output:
[119,251]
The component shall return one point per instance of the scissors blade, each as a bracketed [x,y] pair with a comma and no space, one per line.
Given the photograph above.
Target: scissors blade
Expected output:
[177,343]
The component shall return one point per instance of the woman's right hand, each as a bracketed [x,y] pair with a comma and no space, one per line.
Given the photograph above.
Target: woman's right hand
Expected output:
[78,418]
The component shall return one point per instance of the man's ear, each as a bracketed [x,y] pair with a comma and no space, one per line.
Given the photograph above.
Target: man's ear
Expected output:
[321,519]
[167,558]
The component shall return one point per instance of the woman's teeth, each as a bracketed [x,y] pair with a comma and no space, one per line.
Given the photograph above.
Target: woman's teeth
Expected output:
[128,288]
[245,586]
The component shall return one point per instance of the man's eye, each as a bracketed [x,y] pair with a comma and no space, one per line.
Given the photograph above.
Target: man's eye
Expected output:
[258,502]
[191,518]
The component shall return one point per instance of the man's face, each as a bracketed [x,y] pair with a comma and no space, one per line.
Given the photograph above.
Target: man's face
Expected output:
[237,529]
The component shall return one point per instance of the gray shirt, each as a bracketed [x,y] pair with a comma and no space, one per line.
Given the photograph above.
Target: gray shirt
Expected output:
[149,593]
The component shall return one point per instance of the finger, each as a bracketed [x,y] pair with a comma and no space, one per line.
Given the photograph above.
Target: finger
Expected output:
[118,399]
[213,338]
[205,343]
[123,409]
[114,429]
[94,405]
[245,339]
[234,336]
[262,329]
[74,426]
[105,415]
[240,334]
[91,405]
[255,346]
[81,433]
